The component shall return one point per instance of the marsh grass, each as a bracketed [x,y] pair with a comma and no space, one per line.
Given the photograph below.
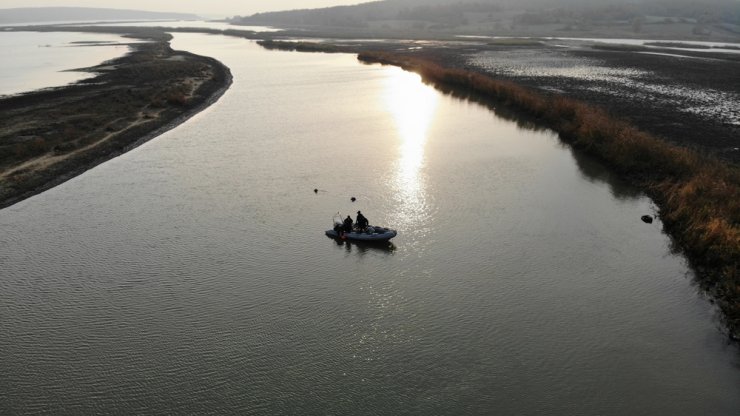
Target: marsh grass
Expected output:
[301,46]
[678,45]
[698,195]
[30,148]
[619,48]
[515,42]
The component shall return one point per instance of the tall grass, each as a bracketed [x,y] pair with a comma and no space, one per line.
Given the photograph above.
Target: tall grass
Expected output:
[698,195]
[301,46]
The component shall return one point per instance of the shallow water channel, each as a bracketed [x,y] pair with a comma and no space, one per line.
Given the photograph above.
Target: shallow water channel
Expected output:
[192,275]
[35,60]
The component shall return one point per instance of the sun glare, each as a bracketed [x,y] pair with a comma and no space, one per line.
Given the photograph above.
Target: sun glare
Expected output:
[412,105]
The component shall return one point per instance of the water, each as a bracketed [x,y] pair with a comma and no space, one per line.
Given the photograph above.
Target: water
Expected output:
[199,24]
[192,276]
[43,60]
[699,46]
[564,71]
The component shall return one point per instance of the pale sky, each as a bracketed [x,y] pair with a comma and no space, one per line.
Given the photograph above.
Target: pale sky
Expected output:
[202,7]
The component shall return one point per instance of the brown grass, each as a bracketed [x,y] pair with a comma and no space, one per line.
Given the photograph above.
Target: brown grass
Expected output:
[33,147]
[515,42]
[698,195]
[301,46]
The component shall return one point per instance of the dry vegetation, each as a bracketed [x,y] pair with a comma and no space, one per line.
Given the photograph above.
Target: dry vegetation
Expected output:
[698,196]
[48,136]
[301,46]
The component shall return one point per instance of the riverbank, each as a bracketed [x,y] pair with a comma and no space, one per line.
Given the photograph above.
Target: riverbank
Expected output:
[697,193]
[687,97]
[50,136]
[698,196]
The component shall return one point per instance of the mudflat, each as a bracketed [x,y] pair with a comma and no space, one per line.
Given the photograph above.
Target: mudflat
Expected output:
[49,136]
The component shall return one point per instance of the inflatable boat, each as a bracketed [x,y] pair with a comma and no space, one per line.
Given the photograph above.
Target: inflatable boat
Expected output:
[371,234]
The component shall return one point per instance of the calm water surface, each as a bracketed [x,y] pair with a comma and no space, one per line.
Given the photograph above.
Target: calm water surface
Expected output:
[192,276]
[35,60]
[200,24]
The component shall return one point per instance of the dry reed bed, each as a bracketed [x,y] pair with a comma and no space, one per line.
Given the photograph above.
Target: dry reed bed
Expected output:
[698,195]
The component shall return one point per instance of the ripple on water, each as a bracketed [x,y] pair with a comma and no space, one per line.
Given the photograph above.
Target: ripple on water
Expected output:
[192,275]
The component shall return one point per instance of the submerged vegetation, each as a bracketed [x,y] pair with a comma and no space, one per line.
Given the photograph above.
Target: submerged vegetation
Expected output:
[698,196]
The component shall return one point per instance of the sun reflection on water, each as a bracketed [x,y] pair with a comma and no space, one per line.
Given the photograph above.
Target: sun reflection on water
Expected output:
[412,105]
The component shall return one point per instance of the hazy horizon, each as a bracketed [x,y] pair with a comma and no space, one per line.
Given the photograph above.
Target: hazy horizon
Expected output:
[214,7]
[222,8]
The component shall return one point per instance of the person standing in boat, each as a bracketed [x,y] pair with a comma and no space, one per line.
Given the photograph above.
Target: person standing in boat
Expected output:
[348,224]
[361,221]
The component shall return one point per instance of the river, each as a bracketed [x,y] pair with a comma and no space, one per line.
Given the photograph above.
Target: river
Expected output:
[192,276]
[49,59]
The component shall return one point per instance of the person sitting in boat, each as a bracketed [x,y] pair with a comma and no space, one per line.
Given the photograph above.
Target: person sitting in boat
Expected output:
[361,221]
[348,224]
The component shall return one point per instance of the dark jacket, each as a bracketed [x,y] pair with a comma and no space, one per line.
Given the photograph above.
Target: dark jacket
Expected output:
[348,224]
[361,220]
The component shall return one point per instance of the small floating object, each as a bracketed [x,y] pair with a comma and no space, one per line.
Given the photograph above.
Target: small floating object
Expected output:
[647,219]
[353,199]
[315,190]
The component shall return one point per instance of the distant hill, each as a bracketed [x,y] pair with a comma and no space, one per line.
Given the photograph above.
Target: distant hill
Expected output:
[82,14]
[520,17]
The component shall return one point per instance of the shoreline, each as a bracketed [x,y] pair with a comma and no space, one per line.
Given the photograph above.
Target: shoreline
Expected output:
[104,158]
[661,106]
[140,120]
[697,195]
[696,191]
